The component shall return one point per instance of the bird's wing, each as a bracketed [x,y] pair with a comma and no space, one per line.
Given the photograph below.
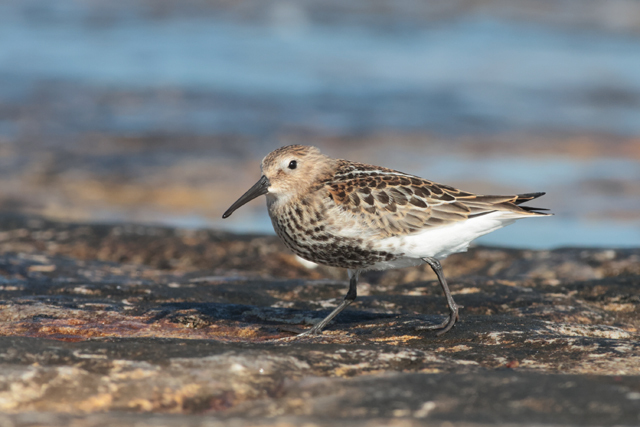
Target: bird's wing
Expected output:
[381,202]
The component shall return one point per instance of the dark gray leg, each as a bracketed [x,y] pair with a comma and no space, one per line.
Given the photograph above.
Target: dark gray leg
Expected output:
[348,299]
[453,307]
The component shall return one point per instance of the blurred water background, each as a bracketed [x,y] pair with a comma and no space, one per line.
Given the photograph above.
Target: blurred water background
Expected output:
[159,111]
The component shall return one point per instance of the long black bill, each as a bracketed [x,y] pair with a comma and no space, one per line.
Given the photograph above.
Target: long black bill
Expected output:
[259,188]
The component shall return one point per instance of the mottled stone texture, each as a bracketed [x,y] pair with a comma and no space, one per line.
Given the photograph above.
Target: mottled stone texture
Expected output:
[147,326]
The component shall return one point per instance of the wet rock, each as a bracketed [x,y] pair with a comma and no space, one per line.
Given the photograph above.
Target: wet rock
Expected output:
[100,325]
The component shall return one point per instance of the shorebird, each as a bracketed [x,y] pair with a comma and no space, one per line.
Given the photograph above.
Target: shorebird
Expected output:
[363,217]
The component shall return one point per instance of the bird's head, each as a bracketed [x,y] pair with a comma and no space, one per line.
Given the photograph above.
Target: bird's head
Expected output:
[287,174]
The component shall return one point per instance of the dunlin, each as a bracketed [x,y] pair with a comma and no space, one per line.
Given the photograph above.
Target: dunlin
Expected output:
[363,217]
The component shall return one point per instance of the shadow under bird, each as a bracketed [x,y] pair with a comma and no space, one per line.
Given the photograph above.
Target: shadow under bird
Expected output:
[362,217]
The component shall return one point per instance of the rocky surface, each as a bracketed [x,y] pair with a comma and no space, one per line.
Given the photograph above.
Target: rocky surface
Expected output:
[149,326]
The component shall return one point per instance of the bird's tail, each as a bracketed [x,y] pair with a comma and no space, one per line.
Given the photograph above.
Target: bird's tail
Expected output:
[522,198]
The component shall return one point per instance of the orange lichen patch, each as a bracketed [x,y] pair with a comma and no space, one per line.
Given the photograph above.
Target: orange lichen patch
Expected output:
[396,340]
[625,308]
[99,402]
[116,325]
[143,405]
[76,329]
[47,268]
[463,291]
[346,371]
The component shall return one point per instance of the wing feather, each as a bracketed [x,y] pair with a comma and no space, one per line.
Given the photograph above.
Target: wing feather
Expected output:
[382,202]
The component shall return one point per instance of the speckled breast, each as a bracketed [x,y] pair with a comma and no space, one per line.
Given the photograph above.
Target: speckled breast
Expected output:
[302,230]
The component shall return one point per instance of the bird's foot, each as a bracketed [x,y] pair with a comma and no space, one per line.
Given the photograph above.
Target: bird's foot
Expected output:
[446,325]
[311,332]
[299,333]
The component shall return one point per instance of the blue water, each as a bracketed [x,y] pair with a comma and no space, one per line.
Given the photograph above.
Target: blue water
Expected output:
[468,75]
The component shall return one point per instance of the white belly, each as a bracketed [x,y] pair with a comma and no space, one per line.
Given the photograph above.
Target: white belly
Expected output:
[441,241]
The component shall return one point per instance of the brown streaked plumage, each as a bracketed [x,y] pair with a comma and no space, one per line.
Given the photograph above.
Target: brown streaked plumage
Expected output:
[357,216]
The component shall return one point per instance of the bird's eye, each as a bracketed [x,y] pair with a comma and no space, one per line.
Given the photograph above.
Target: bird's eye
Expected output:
[293,164]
